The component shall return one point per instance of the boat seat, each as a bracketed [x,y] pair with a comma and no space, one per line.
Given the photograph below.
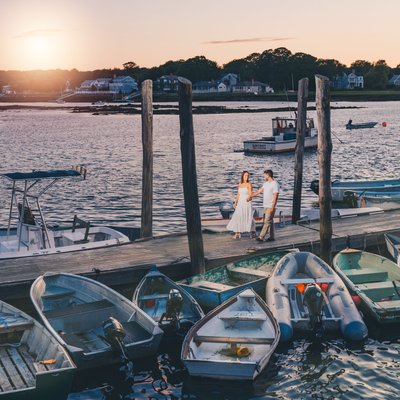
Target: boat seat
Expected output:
[198,339]
[243,316]
[296,281]
[79,309]
[15,326]
[366,275]
[389,304]
[249,271]
[154,296]
[219,287]
[56,292]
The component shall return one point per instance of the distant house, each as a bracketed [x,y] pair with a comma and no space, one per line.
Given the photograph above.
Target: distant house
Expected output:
[252,87]
[394,81]
[210,87]
[348,81]
[118,84]
[167,83]
[230,79]
[7,90]
[123,84]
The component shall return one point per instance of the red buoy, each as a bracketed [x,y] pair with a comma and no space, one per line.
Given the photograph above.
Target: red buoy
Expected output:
[384,124]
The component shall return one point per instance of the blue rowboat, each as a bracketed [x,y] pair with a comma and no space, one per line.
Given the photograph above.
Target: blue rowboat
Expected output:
[219,284]
[340,187]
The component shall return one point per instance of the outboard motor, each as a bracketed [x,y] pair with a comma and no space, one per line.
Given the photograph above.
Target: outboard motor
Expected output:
[114,333]
[314,300]
[226,209]
[314,186]
[173,307]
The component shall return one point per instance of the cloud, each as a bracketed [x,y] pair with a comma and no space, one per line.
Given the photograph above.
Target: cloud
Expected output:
[250,40]
[39,32]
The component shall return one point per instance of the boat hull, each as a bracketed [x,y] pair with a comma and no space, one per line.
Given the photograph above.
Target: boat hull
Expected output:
[276,146]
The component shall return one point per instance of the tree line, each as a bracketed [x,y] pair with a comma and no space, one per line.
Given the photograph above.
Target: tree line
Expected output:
[280,68]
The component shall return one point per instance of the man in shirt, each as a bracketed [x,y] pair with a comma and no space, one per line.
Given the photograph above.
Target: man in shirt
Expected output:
[270,190]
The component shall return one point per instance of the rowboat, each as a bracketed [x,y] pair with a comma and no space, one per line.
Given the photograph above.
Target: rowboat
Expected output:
[167,303]
[219,284]
[31,236]
[362,125]
[393,246]
[305,294]
[383,200]
[340,187]
[97,325]
[283,137]
[234,341]
[33,364]
[375,279]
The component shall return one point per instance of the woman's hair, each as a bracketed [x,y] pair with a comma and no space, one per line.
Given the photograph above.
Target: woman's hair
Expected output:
[242,176]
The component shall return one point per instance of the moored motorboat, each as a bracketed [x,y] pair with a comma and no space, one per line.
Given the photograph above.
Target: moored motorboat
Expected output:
[97,325]
[32,236]
[283,137]
[393,246]
[234,341]
[304,293]
[167,303]
[339,188]
[365,199]
[361,125]
[33,365]
[219,284]
[375,279]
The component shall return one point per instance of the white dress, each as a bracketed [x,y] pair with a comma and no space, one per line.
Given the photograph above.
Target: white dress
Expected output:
[242,219]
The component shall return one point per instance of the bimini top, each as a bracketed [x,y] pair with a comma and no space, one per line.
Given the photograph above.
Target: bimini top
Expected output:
[35,175]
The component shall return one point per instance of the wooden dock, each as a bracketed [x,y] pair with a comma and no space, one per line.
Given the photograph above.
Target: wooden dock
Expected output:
[127,263]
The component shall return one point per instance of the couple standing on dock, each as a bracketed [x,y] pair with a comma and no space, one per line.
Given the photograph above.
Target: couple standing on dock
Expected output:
[243,217]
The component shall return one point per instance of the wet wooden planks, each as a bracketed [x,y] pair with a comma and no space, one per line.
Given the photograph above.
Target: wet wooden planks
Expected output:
[127,263]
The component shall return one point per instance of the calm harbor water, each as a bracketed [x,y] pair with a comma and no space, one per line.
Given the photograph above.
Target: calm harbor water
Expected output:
[110,147]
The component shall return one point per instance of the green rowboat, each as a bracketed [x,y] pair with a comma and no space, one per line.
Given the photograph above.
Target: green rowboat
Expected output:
[375,279]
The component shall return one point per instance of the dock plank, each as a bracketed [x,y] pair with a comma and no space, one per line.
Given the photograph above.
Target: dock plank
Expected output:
[127,263]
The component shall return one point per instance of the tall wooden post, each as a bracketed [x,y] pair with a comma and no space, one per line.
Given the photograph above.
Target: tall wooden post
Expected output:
[302,97]
[322,98]
[189,176]
[147,172]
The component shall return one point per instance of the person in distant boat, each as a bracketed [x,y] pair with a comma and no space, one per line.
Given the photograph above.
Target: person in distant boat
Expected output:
[242,219]
[270,189]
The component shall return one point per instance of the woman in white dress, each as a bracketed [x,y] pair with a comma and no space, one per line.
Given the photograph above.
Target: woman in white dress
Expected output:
[242,219]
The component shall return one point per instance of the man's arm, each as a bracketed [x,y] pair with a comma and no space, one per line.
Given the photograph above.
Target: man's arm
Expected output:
[255,194]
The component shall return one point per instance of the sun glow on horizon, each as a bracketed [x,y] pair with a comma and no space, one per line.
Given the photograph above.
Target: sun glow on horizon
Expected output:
[39,50]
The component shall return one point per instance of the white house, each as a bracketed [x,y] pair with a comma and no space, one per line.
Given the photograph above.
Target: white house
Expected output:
[355,81]
[252,87]
[230,79]
[394,81]
[123,84]
[209,87]
[7,89]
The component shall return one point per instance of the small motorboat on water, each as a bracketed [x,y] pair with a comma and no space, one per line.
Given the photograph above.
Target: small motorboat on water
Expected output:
[362,125]
[33,364]
[217,285]
[32,236]
[339,188]
[374,279]
[283,138]
[393,246]
[167,303]
[304,293]
[234,341]
[97,325]
[366,199]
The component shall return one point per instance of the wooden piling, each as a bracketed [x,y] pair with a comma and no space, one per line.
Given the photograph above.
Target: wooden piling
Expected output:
[147,171]
[189,177]
[302,98]
[322,98]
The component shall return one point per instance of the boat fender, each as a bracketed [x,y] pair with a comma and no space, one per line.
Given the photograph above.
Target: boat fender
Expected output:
[286,331]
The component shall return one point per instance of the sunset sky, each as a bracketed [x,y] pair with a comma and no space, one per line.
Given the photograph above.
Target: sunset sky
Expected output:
[90,34]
